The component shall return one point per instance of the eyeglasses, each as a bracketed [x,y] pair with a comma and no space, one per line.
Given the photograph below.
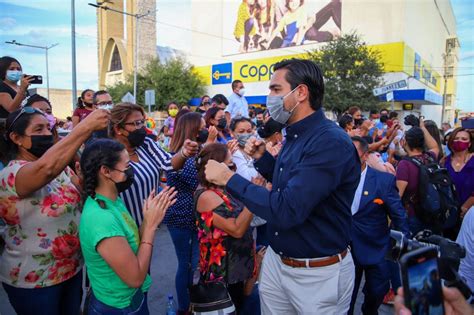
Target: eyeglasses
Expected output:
[28,110]
[137,123]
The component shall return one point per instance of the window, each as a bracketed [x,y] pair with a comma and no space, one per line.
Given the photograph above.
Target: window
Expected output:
[116,63]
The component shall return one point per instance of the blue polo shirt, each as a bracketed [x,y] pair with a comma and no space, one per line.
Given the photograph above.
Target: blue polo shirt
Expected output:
[314,179]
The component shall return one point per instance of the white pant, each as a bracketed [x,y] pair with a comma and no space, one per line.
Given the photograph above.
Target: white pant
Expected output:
[320,290]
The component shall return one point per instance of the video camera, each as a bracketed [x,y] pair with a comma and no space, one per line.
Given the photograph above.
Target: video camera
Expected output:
[449,252]
[412,120]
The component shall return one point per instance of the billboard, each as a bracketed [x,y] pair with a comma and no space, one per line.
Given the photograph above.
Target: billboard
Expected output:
[257,25]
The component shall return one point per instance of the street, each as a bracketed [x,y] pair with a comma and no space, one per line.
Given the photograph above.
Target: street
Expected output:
[163,270]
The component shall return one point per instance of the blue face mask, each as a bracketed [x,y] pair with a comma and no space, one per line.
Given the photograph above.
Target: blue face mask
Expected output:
[243,138]
[14,75]
[277,110]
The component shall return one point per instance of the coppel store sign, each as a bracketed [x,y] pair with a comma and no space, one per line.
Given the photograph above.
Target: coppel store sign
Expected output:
[247,71]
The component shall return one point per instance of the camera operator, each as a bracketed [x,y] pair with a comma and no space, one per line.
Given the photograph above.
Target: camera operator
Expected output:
[408,173]
[454,303]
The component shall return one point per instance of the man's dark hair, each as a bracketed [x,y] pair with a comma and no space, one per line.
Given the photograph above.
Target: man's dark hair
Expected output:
[363,144]
[36,98]
[305,72]
[393,115]
[345,120]
[219,99]
[383,110]
[373,112]
[415,138]
[237,120]
[234,84]
[5,63]
[100,92]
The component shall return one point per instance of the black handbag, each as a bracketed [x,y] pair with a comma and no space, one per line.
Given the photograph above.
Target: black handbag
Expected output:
[207,297]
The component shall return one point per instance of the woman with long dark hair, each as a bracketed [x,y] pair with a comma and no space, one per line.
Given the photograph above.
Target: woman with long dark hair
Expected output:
[12,94]
[116,253]
[180,218]
[225,239]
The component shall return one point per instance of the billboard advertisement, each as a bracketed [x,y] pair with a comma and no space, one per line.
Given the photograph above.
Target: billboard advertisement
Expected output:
[256,25]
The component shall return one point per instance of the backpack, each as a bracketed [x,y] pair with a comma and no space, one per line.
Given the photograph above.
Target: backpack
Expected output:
[437,204]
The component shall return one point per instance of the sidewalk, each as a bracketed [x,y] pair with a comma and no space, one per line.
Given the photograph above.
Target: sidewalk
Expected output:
[163,270]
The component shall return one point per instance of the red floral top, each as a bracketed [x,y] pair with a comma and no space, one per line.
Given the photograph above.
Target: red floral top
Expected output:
[41,236]
[222,257]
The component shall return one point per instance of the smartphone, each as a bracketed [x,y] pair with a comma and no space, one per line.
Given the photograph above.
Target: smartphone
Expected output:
[468,123]
[36,79]
[421,282]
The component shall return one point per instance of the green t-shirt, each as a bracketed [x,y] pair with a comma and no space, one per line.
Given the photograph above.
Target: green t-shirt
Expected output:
[96,225]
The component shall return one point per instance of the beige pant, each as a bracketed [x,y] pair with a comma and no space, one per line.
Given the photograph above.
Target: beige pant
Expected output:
[320,290]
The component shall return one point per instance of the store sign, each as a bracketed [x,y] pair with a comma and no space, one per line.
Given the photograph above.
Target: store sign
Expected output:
[390,87]
[408,106]
[222,73]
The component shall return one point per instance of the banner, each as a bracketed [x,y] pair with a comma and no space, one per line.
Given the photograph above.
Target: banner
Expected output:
[256,25]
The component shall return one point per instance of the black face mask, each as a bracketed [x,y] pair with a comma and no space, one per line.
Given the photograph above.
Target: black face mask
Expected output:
[122,186]
[222,123]
[259,122]
[358,122]
[137,137]
[40,144]
[202,136]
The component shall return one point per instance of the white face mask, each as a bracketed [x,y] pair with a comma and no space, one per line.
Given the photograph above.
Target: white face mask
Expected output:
[276,108]
[242,92]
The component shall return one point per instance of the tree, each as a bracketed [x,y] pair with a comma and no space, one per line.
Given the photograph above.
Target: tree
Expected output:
[351,70]
[173,81]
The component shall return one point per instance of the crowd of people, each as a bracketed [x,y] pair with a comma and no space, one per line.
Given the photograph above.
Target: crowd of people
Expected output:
[273,210]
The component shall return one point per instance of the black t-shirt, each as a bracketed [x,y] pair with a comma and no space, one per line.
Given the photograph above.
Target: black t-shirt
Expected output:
[4,88]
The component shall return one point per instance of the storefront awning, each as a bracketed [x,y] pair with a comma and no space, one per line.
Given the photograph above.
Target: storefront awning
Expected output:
[417,97]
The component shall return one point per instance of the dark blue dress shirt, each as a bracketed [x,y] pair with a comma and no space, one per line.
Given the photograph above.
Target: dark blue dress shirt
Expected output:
[314,179]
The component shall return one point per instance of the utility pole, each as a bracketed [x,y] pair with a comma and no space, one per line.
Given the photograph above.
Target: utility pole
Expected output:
[46,49]
[73,49]
[137,18]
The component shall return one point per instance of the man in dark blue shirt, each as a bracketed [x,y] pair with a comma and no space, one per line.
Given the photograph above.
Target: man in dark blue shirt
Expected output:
[308,266]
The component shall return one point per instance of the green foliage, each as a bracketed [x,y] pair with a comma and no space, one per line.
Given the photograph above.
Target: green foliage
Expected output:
[351,70]
[174,81]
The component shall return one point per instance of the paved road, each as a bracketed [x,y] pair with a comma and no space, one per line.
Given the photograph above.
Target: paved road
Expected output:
[163,270]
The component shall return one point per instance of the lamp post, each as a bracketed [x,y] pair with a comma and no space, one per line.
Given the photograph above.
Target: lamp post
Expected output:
[137,17]
[46,49]
[73,54]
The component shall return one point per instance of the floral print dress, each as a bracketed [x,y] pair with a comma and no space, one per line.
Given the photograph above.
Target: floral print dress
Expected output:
[223,257]
[41,236]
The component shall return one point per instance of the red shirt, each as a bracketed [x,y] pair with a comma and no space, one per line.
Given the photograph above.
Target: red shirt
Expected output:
[82,113]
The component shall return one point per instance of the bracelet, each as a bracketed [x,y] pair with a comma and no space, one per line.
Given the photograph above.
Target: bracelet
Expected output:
[147,243]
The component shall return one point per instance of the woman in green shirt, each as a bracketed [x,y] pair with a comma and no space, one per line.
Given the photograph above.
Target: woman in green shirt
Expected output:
[116,254]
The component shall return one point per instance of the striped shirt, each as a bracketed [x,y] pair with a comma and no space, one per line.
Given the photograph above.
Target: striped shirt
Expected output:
[152,161]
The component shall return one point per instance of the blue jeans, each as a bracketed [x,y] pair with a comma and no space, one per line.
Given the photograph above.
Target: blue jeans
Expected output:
[182,240]
[63,298]
[139,306]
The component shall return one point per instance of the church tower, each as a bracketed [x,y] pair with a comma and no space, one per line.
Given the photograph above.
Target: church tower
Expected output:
[117,38]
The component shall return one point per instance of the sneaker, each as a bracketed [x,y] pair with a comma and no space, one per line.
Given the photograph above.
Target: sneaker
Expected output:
[389,297]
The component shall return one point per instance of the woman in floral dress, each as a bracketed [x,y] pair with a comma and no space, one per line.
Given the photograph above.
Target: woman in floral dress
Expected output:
[41,264]
[226,246]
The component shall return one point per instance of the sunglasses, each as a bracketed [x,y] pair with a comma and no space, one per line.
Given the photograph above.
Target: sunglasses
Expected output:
[25,110]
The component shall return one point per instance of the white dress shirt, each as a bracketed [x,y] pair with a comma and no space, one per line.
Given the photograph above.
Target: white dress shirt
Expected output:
[358,193]
[238,106]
